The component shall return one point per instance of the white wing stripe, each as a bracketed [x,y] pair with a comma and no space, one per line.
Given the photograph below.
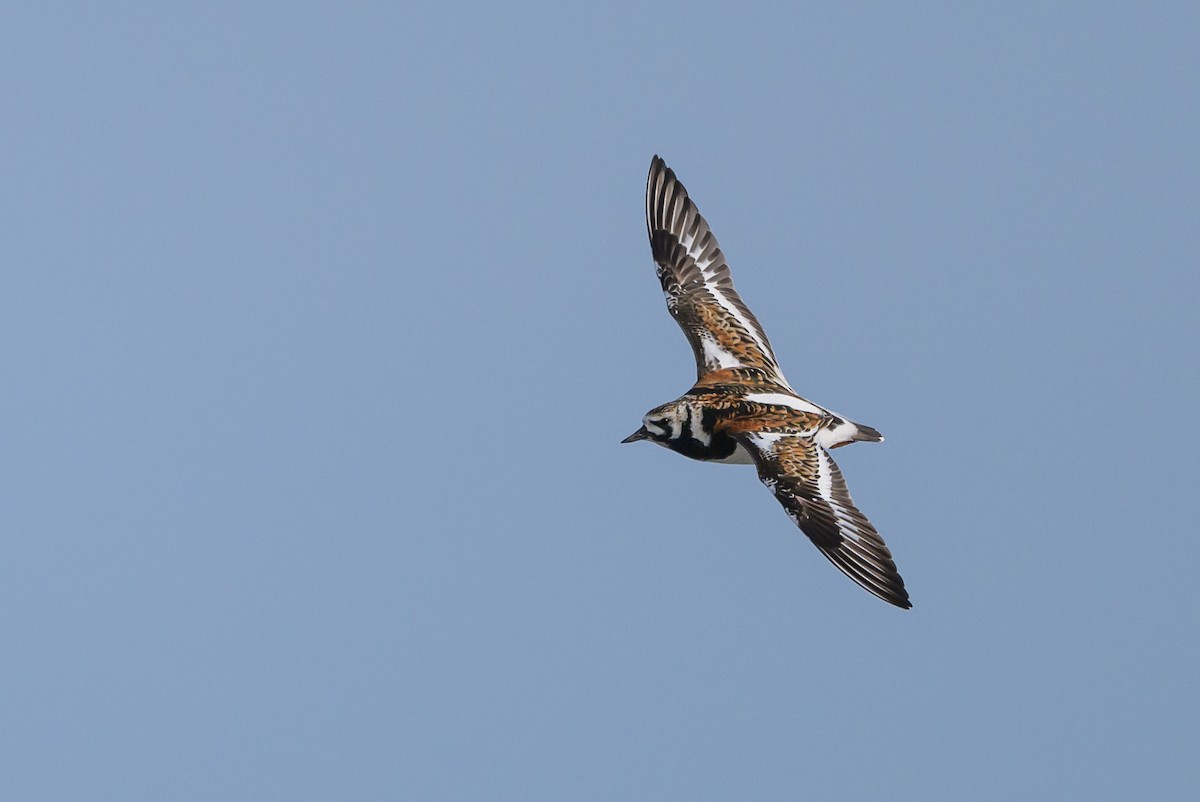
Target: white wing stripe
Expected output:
[825,480]
[791,401]
[715,356]
[849,526]
[765,441]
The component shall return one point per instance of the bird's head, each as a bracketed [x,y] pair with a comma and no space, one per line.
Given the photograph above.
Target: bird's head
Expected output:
[663,424]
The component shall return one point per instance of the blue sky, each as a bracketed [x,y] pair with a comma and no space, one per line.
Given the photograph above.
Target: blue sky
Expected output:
[321,325]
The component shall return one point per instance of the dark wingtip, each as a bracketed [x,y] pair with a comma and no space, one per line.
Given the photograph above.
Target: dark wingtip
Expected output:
[898,594]
[658,167]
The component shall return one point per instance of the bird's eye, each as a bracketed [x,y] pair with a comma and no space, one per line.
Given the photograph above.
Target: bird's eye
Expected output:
[659,428]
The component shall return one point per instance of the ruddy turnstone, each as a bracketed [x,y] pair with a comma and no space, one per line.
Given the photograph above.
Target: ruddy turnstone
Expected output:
[741,409]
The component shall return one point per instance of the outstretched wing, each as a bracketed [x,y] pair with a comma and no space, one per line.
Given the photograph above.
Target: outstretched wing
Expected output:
[809,485]
[696,282]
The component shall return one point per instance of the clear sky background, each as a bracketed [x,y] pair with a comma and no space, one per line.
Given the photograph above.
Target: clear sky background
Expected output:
[320,326]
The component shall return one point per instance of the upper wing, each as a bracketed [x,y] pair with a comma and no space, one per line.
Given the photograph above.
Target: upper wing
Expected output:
[696,281]
[809,485]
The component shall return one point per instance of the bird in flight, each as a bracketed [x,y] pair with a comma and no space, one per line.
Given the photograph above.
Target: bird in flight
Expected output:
[741,409]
